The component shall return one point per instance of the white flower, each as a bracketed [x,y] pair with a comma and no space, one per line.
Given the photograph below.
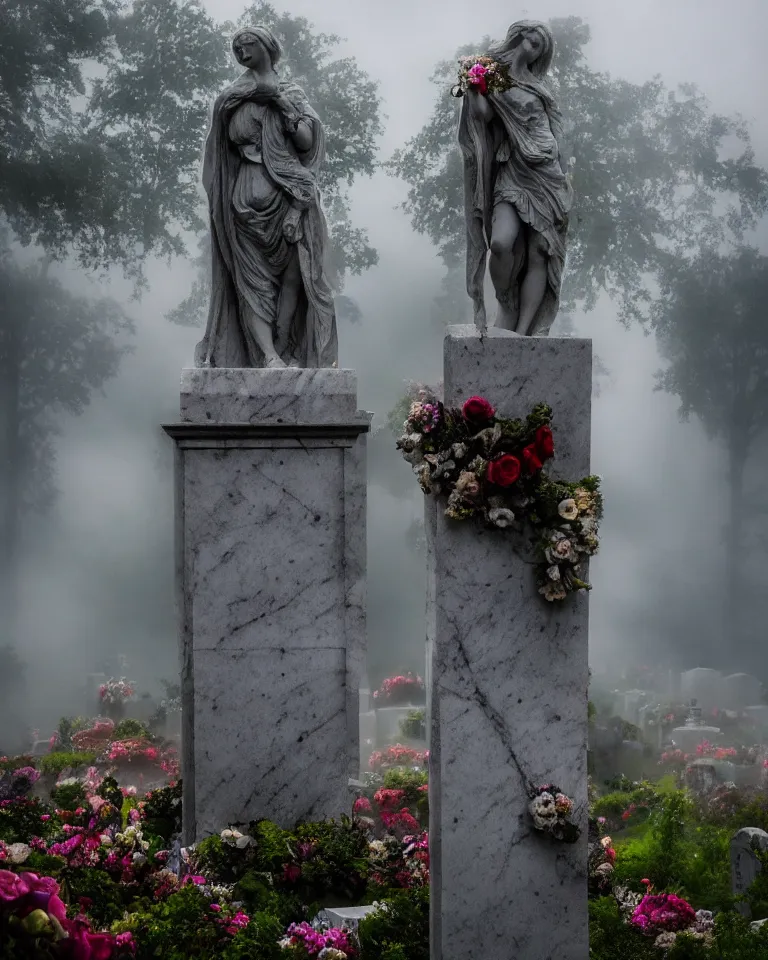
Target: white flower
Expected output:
[553,572]
[501,516]
[560,548]
[542,809]
[553,590]
[18,852]
[459,450]
[568,509]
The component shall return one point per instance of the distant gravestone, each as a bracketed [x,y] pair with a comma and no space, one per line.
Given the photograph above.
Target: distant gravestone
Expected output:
[744,864]
[759,714]
[741,690]
[344,917]
[703,685]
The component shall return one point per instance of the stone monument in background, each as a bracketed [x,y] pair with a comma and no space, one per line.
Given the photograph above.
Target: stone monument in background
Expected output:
[270,483]
[508,671]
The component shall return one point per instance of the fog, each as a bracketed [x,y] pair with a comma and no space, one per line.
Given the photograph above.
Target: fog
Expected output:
[97,572]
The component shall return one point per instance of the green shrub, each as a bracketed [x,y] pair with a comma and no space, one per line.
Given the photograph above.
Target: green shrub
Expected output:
[162,812]
[401,932]
[69,796]
[54,763]
[107,897]
[611,939]
[258,941]
[129,729]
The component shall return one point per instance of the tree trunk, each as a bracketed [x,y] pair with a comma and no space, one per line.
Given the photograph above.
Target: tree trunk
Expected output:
[735,626]
[10,451]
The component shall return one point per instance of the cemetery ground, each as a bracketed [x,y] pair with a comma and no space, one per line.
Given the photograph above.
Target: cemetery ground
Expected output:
[93,867]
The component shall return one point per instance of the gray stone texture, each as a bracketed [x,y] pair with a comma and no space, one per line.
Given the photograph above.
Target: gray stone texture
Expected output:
[508,687]
[271,593]
[744,864]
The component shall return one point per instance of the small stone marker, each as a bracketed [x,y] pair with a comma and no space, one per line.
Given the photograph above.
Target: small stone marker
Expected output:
[744,864]
[347,917]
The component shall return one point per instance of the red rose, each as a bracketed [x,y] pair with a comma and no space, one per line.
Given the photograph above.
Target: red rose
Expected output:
[477,408]
[531,459]
[545,443]
[504,470]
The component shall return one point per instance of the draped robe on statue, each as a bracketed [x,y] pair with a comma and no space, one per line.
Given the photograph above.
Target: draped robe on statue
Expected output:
[248,202]
[515,159]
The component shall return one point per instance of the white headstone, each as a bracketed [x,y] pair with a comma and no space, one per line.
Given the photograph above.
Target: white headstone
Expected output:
[744,864]
[741,690]
[703,685]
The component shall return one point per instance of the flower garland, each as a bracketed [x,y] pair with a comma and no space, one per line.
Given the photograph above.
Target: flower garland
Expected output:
[550,811]
[483,74]
[491,467]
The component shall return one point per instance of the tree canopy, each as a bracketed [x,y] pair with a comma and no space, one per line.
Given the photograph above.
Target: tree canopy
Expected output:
[654,172]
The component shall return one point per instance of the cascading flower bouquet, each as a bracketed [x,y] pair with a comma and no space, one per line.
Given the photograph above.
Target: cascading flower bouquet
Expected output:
[492,468]
[483,74]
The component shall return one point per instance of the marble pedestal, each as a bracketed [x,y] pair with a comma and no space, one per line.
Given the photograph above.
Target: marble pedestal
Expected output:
[271,509]
[508,687]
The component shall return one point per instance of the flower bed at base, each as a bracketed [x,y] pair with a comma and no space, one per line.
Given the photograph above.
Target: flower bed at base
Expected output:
[96,872]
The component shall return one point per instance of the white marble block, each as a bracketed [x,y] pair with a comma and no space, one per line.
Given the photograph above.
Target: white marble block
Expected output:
[508,686]
[271,506]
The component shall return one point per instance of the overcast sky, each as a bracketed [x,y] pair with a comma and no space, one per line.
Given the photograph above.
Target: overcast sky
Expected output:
[106,569]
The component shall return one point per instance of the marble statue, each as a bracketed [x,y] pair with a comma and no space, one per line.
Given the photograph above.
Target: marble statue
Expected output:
[271,303]
[517,194]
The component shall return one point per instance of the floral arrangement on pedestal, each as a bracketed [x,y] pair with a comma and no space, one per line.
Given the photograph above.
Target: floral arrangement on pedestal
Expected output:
[551,811]
[492,468]
[116,691]
[403,689]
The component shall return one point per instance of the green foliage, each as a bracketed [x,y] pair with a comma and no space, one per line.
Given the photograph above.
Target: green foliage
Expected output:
[400,778]
[162,812]
[129,729]
[44,865]
[651,177]
[258,895]
[21,820]
[338,864]
[54,763]
[108,900]
[180,927]
[401,932]
[69,796]
[413,727]
[611,938]
[258,941]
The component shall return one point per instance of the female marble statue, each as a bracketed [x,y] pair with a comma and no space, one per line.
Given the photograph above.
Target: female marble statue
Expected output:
[517,196]
[271,305]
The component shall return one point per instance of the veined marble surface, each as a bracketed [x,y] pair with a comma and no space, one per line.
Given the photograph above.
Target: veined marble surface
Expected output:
[258,395]
[271,573]
[508,697]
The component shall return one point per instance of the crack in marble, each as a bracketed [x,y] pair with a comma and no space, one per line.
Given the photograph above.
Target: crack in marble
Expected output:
[493,715]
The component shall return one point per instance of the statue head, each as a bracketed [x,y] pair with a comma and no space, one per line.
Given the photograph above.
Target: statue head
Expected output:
[531,41]
[255,46]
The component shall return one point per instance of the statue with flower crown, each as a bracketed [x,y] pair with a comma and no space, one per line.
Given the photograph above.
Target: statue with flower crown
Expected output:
[271,302]
[517,194]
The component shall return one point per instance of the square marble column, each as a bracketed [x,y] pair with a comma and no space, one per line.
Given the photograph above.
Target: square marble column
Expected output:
[508,686]
[271,511]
